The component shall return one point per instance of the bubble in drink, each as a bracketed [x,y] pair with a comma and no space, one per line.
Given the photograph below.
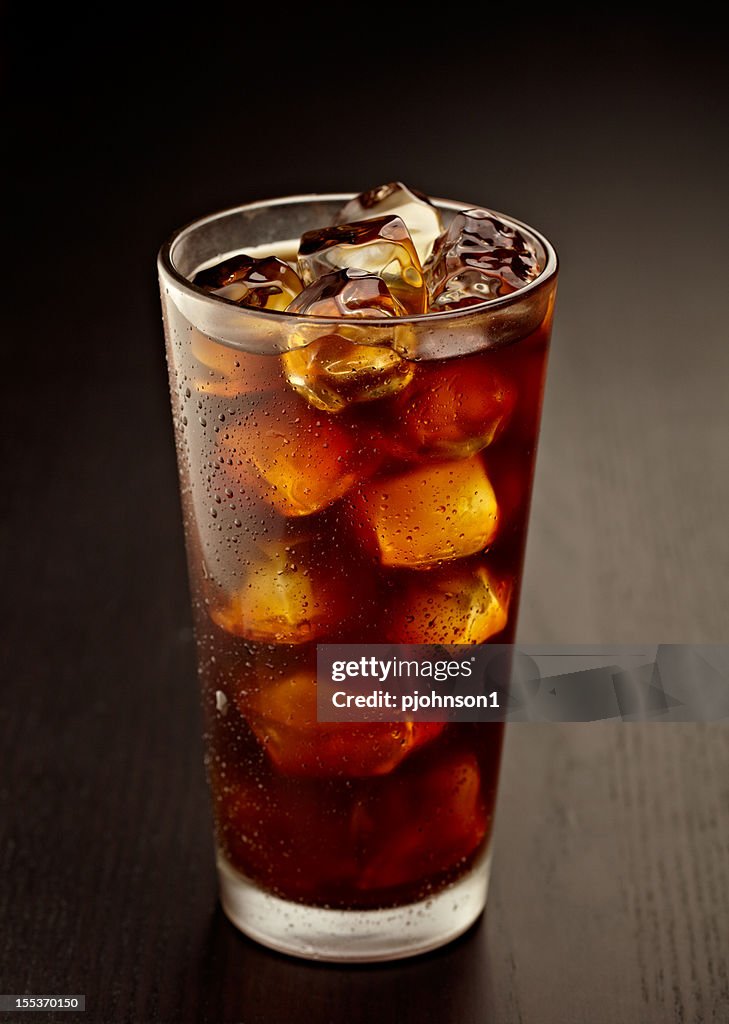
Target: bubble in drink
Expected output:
[381,247]
[431,514]
[421,218]
[478,240]
[454,409]
[299,461]
[267,283]
[283,717]
[421,824]
[461,604]
[286,597]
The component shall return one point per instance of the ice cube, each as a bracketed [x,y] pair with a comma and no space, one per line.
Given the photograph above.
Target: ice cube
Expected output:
[267,283]
[430,514]
[478,240]
[381,246]
[299,461]
[460,604]
[332,372]
[286,598]
[453,409]
[421,218]
[467,288]
[228,372]
[419,825]
[339,368]
[347,293]
[283,717]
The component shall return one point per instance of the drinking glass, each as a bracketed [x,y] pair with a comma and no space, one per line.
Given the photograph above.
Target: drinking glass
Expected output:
[396,513]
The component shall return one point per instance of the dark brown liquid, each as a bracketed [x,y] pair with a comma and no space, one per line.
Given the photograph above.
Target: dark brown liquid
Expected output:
[282,507]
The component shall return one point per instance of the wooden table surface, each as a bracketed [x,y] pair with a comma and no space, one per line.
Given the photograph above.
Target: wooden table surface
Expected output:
[610,888]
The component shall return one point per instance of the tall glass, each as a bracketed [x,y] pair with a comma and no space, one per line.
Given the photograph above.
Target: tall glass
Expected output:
[398,519]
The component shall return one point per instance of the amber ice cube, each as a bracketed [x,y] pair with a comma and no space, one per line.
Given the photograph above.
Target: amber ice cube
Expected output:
[381,246]
[267,283]
[287,597]
[331,373]
[430,514]
[453,409]
[298,461]
[339,368]
[283,716]
[478,240]
[460,604]
[421,218]
[421,824]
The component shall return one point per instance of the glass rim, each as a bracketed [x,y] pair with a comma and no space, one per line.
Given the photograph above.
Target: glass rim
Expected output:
[167,268]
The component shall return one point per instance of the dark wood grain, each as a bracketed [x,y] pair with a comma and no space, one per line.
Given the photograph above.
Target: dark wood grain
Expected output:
[609,900]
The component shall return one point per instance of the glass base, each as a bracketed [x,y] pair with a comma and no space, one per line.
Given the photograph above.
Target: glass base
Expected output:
[354,936]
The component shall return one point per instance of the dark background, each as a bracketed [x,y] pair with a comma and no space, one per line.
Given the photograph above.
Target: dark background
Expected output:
[609,898]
